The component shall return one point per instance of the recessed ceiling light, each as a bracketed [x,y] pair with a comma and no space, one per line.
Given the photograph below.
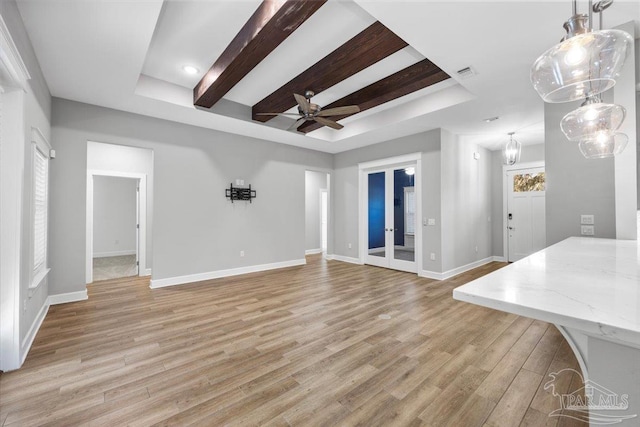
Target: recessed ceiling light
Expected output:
[491,119]
[190,69]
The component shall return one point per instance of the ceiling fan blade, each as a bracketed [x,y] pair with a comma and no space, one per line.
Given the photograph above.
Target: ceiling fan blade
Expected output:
[327,122]
[277,114]
[297,124]
[340,111]
[302,102]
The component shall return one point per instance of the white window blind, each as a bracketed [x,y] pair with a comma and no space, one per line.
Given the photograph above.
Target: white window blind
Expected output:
[40,189]
[410,210]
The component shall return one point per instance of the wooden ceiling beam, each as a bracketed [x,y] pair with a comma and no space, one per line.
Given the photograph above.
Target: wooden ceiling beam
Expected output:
[270,25]
[365,49]
[413,78]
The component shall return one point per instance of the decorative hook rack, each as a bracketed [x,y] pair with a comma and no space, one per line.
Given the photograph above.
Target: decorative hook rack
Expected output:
[236,193]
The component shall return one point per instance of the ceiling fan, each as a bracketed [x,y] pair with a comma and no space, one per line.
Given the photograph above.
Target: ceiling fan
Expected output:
[307,111]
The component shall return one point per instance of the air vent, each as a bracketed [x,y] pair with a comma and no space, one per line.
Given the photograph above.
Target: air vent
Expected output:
[465,73]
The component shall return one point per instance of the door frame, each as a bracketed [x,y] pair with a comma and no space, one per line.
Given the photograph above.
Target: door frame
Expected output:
[329,173]
[505,199]
[413,159]
[141,250]
[321,192]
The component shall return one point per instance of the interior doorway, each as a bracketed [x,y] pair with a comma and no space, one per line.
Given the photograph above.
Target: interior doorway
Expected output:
[115,227]
[525,211]
[390,213]
[317,208]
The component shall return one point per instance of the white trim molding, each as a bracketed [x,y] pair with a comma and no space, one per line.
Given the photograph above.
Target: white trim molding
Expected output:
[146,272]
[12,67]
[27,342]
[455,271]
[313,251]
[199,277]
[342,258]
[113,253]
[68,297]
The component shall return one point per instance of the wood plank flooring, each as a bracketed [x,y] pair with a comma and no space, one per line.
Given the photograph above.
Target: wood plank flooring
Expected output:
[301,346]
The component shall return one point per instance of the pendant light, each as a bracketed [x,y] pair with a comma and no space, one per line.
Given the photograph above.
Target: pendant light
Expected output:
[594,118]
[511,151]
[603,145]
[585,63]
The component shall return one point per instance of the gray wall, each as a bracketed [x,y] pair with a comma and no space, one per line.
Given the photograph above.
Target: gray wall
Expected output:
[37,113]
[575,185]
[529,153]
[314,182]
[345,191]
[120,158]
[466,203]
[196,229]
[114,216]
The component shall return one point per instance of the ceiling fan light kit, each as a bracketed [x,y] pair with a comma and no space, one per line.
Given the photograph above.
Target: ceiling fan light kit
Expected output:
[308,111]
[582,66]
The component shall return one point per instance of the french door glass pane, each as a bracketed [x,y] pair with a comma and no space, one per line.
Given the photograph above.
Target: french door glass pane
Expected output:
[376,211]
[404,214]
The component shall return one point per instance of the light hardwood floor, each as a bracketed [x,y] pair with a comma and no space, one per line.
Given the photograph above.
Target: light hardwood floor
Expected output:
[300,346]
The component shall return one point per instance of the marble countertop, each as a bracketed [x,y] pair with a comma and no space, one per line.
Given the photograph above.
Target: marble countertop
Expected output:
[589,284]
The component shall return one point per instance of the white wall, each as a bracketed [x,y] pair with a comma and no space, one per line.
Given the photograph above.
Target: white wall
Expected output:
[196,229]
[466,203]
[314,182]
[121,158]
[114,216]
[31,109]
[575,185]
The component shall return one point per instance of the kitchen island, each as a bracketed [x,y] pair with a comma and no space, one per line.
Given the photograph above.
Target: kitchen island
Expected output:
[590,289]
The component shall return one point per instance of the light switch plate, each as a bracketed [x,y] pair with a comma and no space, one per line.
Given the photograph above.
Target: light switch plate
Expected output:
[431,221]
[587,230]
[587,219]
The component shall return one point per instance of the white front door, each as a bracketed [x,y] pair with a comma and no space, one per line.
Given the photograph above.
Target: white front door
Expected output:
[525,212]
[391,218]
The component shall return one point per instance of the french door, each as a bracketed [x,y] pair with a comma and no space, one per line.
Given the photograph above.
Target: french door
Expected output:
[390,232]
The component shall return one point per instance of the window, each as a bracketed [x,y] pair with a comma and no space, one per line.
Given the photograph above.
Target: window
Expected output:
[40,203]
[409,210]
[528,182]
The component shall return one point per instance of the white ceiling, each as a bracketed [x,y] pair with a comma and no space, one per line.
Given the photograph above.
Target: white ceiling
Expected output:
[129,56]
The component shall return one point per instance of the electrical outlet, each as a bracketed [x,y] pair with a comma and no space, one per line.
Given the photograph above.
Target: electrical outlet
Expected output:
[476,249]
[587,219]
[433,256]
[239,181]
[349,246]
[241,253]
[587,230]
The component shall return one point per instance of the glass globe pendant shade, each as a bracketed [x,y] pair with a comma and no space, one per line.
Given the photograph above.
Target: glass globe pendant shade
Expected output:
[603,146]
[511,152]
[585,122]
[581,66]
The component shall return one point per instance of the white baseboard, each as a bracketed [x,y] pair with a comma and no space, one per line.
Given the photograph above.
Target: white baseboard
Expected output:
[114,253]
[180,280]
[146,272]
[499,258]
[33,330]
[454,272]
[343,258]
[313,251]
[68,297]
